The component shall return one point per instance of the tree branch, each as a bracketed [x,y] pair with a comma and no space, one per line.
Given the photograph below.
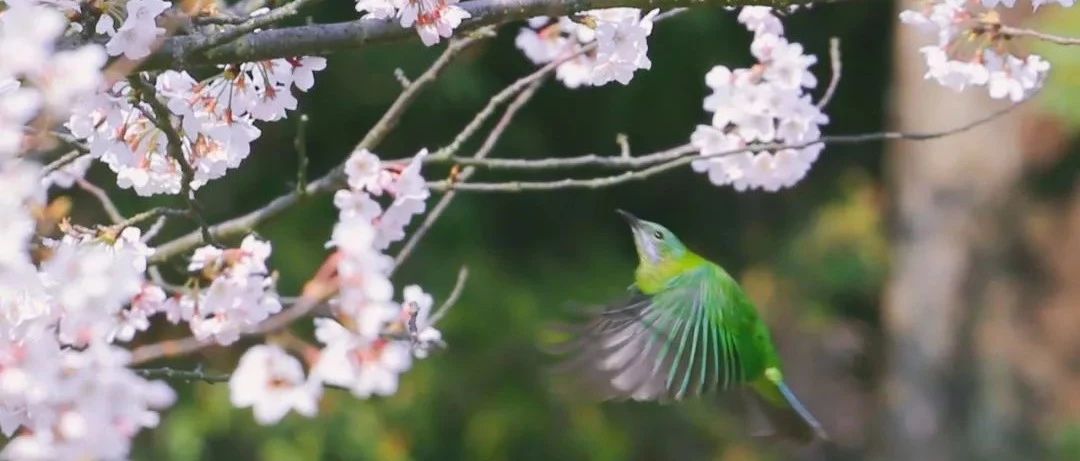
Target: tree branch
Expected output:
[635,175]
[390,119]
[106,203]
[333,179]
[322,39]
[1020,32]
[162,118]
[837,66]
[485,149]
[206,42]
[180,375]
[452,298]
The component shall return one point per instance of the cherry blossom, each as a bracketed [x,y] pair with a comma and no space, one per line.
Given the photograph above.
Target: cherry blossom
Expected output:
[216,118]
[618,35]
[90,278]
[763,104]
[74,404]
[138,31]
[34,76]
[433,19]
[240,294]
[272,383]
[366,365]
[967,50]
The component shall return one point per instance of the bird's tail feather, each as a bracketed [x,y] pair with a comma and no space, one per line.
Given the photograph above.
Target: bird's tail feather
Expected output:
[775,412]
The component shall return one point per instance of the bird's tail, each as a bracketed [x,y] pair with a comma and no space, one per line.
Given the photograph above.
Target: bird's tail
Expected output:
[774,411]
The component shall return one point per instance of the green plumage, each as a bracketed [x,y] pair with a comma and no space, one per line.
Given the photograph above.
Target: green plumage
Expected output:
[685,329]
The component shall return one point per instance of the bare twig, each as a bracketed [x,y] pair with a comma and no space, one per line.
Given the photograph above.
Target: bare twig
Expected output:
[402,78]
[63,161]
[510,91]
[157,212]
[485,149]
[390,119]
[153,231]
[837,65]
[624,144]
[1020,32]
[180,375]
[589,160]
[106,203]
[300,144]
[452,298]
[634,175]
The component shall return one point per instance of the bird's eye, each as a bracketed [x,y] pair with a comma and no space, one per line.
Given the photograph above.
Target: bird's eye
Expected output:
[658,235]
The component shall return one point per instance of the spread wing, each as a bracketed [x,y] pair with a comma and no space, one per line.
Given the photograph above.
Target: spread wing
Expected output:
[661,347]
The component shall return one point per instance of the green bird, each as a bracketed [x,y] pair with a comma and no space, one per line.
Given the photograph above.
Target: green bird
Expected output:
[686,329]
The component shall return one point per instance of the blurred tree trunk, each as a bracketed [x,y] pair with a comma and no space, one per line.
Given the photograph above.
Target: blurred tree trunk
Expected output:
[948,393]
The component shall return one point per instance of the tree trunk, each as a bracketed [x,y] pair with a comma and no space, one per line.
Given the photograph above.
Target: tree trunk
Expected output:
[947,394]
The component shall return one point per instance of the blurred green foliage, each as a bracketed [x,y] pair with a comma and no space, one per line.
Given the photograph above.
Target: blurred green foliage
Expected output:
[819,246]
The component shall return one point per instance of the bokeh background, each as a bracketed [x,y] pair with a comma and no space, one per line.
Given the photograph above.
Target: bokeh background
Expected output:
[923,295]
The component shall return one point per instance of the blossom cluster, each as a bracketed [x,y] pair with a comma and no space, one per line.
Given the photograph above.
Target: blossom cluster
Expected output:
[65,389]
[594,48]
[138,26]
[240,293]
[763,104]
[433,19]
[969,49]
[370,339]
[36,79]
[215,118]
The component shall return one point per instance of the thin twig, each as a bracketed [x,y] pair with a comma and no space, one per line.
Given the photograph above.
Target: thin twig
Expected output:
[106,203]
[63,161]
[390,118]
[510,91]
[151,214]
[452,298]
[180,375]
[153,231]
[634,175]
[1021,32]
[589,160]
[333,179]
[300,144]
[837,65]
[485,149]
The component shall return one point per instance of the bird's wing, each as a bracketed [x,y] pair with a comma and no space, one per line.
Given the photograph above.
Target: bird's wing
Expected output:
[666,346]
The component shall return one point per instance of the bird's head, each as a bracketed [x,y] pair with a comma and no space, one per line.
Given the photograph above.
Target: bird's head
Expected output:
[655,243]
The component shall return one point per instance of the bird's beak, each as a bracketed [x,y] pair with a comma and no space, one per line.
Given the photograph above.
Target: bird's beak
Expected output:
[633,220]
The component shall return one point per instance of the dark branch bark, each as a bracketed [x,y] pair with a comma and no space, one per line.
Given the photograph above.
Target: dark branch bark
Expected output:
[322,39]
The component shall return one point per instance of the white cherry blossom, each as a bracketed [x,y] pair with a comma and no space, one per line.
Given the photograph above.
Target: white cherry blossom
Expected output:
[272,383]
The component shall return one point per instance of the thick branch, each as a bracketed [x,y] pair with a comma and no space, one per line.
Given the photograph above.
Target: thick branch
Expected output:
[322,39]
